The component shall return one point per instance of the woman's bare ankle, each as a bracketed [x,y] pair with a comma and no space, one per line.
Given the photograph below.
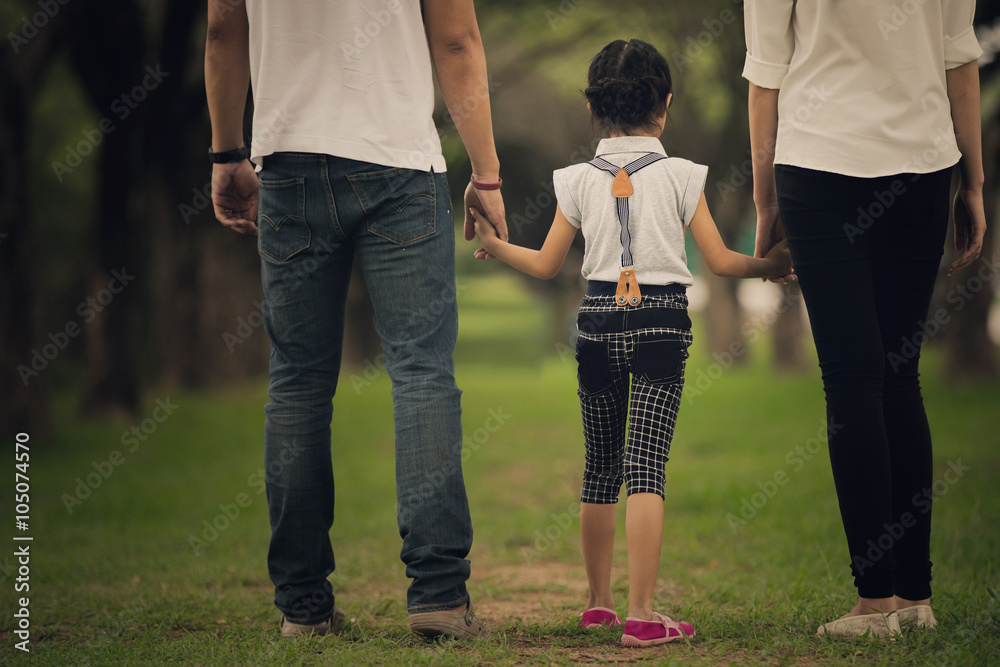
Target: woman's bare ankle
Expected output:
[903,603]
[873,606]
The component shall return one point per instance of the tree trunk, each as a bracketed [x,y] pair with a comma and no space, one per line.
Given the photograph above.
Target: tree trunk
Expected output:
[110,63]
[22,381]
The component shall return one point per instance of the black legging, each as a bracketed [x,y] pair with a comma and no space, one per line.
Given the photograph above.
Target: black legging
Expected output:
[867,251]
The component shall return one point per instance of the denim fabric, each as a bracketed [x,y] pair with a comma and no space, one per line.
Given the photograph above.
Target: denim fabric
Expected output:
[867,252]
[316,213]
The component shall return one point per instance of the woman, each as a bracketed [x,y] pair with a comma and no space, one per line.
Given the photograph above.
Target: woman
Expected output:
[858,112]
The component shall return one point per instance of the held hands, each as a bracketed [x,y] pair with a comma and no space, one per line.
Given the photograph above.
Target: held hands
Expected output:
[490,203]
[970,226]
[781,258]
[234,196]
[486,233]
[771,241]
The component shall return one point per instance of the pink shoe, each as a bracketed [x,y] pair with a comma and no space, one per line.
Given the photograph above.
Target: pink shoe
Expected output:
[651,633]
[598,617]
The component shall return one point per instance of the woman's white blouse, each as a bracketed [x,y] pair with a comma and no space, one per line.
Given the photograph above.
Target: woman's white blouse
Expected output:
[863,88]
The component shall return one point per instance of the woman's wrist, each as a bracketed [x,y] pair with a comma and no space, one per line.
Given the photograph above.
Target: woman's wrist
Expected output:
[972,183]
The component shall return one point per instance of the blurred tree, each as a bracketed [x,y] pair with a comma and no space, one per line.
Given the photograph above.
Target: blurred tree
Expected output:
[23,62]
[109,62]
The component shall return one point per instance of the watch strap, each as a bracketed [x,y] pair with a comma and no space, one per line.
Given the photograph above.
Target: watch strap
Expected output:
[225,157]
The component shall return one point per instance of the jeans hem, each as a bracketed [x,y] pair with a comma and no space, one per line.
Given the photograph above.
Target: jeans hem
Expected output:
[445,606]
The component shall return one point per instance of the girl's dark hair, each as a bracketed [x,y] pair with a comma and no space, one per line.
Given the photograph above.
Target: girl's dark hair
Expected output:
[627,85]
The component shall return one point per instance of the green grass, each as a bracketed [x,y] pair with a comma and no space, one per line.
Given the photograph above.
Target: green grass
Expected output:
[117,581]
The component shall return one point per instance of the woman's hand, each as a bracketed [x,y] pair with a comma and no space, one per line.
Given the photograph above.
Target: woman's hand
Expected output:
[770,234]
[781,257]
[970,227]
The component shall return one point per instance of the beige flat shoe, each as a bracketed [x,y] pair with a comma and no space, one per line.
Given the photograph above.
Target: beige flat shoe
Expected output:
[917,616]
[875,625]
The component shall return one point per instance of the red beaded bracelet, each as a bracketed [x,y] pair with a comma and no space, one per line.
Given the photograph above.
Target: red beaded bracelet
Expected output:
[479,185]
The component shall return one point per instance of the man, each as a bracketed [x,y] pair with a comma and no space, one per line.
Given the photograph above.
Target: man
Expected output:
[349,163]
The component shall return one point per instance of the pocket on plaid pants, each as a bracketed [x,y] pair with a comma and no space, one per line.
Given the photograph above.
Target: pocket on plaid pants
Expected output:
[660,360]
[594,365]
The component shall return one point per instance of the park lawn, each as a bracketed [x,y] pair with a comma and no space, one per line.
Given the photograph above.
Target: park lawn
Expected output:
[155,565]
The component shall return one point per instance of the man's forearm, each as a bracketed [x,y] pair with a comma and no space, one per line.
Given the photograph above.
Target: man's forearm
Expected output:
[227,72]
[763,111]
[461,70]
[963,94]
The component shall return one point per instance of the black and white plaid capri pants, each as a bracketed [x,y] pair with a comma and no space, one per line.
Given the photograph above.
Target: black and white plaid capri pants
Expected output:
[646,344]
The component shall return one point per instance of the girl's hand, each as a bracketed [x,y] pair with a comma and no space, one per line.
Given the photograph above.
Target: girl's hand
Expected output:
[970,226]
[486,233]
[781,258]
[490,203]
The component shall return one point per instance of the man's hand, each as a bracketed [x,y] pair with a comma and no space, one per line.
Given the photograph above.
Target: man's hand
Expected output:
[490,203]
[486,233]
[970,227]
[234,196]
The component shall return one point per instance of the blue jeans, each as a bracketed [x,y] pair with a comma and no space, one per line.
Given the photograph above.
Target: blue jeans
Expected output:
[315,213]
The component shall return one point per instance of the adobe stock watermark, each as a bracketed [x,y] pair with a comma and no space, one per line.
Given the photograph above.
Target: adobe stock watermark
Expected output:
[202,197]
[563,11]
[901,13]
[370,30]
[921,503]
[247,325]
[533,206]
[229,512]
[702,379]
[957,296]
[816,97]
[546,538]
[740,175]
[427,313]
[122,108]
[695,46]
[88,309]
[47,10]
[132,439]
[472,441]
[796,458]
[883,200]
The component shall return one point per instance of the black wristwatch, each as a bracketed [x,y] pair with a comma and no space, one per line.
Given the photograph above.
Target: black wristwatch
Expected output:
[225,157]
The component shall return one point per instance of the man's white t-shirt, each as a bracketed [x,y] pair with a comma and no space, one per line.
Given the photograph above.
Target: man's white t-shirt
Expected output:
[349,79]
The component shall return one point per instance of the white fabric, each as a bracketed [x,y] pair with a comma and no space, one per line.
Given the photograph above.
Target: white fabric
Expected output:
[665,196]
[350,79]
[863,89]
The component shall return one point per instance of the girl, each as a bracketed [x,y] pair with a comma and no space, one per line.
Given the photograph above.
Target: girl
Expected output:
[633,205]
